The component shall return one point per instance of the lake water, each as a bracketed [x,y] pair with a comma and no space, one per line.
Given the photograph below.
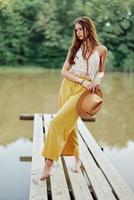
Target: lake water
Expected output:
[32,91]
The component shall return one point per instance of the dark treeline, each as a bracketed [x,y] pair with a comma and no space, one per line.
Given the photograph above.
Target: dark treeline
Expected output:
[39,32]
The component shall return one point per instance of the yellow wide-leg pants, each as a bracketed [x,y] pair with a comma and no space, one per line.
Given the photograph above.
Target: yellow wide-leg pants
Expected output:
[62,138]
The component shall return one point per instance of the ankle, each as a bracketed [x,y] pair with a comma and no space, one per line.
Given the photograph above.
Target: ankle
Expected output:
[49,162]
[77,158]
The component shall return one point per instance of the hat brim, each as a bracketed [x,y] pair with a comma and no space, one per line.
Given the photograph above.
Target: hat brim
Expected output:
[84,114]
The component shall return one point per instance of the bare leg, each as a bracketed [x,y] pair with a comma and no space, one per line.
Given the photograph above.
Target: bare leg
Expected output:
[47,169]
[77,164]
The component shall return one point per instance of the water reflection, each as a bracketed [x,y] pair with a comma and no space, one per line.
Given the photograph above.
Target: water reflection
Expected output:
[15,175]
[123,160]
[36,90]
[25,92]
[114,122]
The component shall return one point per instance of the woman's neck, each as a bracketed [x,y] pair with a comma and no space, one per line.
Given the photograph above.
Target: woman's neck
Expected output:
[88,45]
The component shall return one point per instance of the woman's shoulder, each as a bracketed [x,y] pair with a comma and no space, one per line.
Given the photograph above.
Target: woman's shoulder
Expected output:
[102,49]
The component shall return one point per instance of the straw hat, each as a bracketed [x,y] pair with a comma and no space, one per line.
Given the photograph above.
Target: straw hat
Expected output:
[89,104]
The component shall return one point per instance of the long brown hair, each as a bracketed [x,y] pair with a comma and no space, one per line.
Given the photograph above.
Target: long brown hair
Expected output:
[87,24]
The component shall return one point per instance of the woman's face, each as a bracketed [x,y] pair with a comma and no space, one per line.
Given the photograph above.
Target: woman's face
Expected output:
[79,31]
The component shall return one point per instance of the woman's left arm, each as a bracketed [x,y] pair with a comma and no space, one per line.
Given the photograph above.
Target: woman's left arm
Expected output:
[103,55]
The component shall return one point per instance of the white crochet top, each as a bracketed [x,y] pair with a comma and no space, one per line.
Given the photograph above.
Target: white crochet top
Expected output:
[89,68]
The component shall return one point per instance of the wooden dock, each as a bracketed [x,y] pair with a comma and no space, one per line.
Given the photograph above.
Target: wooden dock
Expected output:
[97,179]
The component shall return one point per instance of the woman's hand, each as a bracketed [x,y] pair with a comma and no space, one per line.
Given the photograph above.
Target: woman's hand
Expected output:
[87,84]
[95,87]
[91,86]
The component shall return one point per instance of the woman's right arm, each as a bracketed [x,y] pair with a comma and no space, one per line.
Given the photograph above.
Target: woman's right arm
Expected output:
[68,75]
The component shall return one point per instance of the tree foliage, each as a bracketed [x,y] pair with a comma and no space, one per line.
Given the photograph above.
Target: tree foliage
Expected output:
[40,31]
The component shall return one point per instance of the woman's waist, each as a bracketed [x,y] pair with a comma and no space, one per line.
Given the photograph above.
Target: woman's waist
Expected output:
[81,74]
[83,77]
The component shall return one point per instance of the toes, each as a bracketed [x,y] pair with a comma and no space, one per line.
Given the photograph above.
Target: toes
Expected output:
[43,178]
[75,170]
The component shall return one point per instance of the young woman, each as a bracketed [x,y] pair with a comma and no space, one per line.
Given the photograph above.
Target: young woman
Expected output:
[83,69]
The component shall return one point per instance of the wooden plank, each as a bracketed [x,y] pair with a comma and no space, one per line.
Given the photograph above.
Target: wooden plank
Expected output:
[59,188]
[47,118]
[25,159]
[120,188]
[26,117]
[100,185]
[38,190]
[92,119]
[101,188]
[78,182]
[31,117]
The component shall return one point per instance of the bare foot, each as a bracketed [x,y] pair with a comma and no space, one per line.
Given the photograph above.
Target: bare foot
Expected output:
[77,164]
[47,169]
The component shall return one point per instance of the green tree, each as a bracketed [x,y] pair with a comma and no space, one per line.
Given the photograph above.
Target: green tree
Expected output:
[40,32]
